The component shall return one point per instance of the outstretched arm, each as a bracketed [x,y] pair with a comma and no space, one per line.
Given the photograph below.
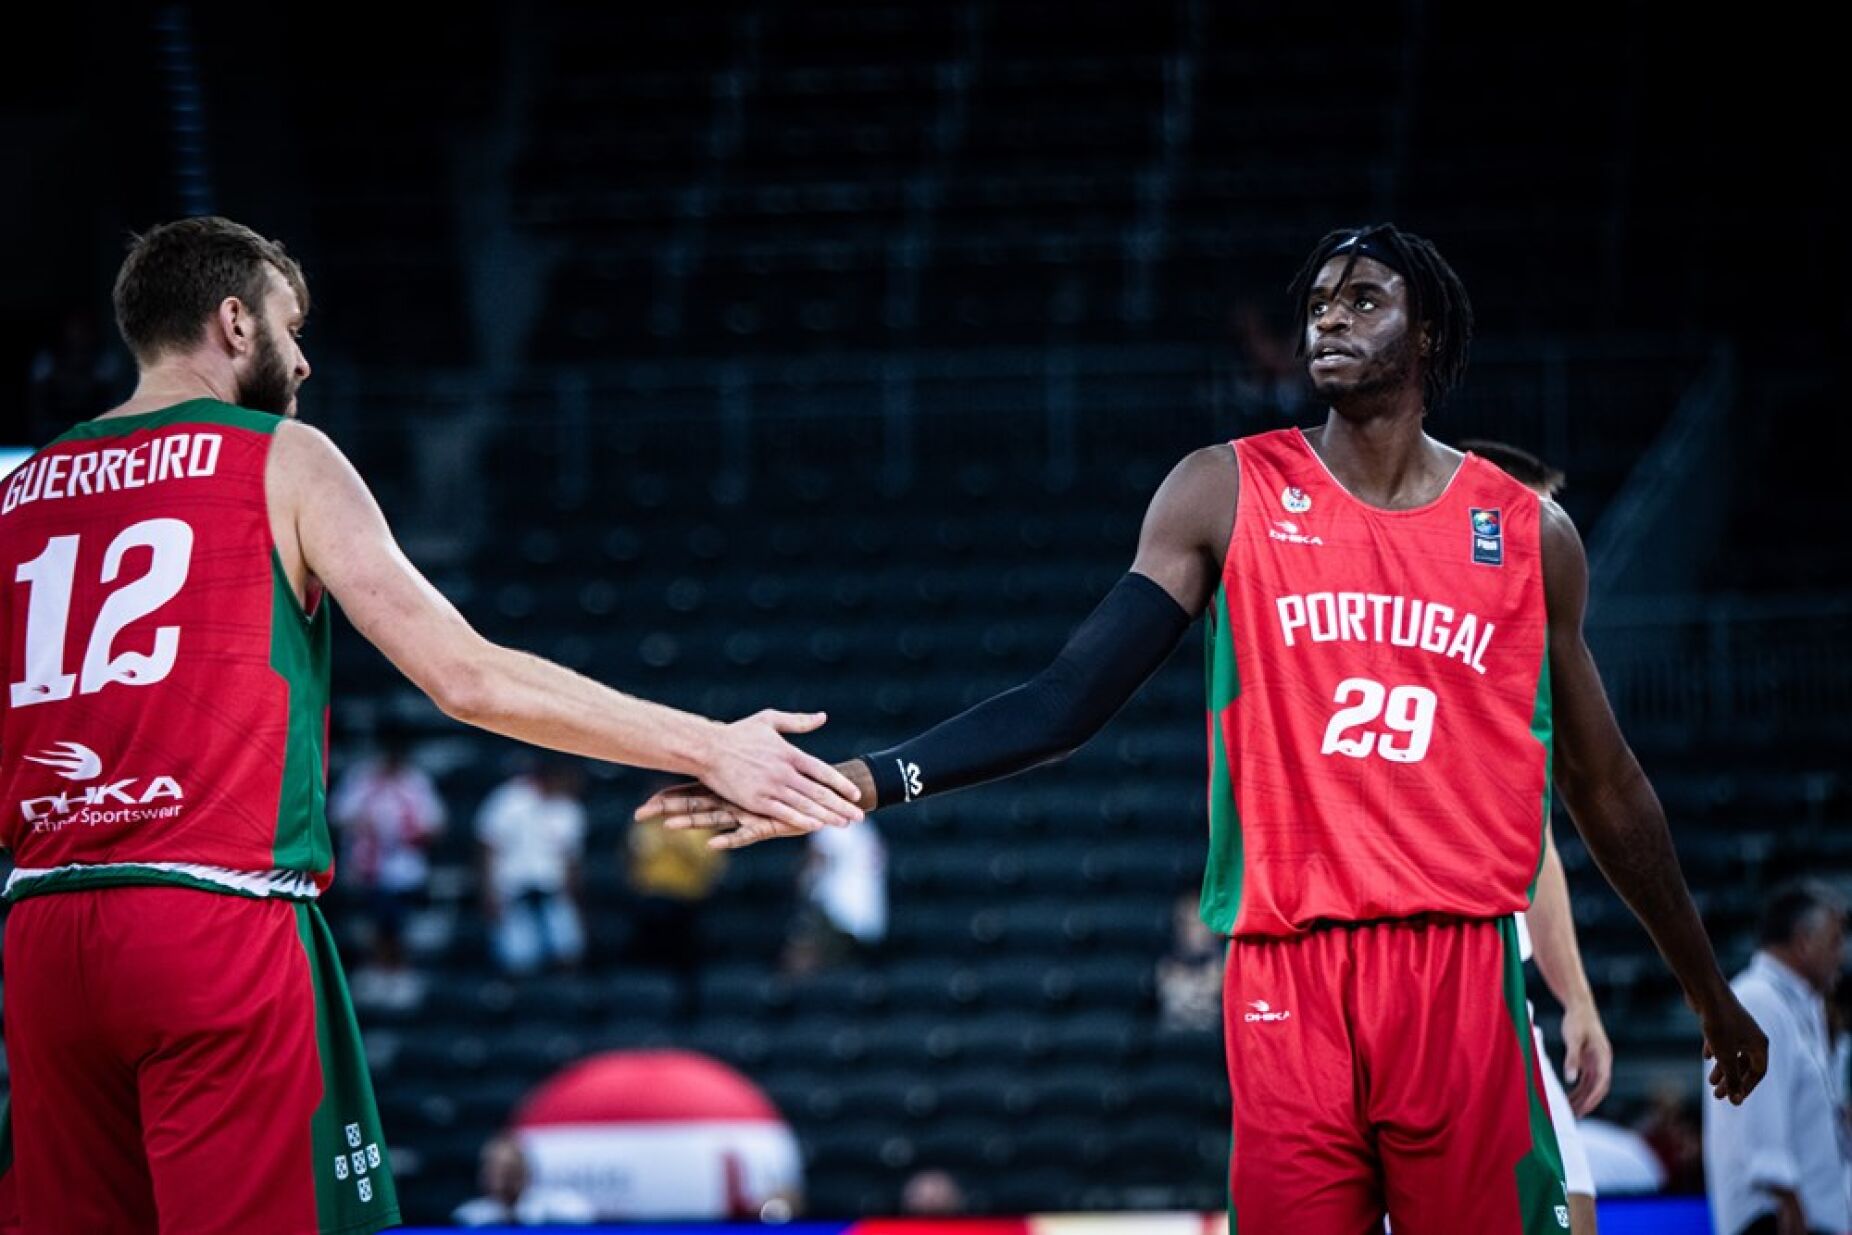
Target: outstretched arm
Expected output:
[1181,549]
[1623,824]
[1588,1056]
[329,528]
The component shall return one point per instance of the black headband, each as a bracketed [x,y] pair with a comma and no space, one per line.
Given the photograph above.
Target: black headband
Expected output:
[1363,246]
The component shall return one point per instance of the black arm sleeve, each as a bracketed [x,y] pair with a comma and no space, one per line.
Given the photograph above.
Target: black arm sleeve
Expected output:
[1106,660]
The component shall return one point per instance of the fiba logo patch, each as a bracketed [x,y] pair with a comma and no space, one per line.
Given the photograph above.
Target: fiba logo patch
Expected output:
[1296,500]
[1488,537]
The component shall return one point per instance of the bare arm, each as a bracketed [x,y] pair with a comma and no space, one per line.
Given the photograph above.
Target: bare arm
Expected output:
[1623,824]
[1588,1057]
[1181,548]
[329,528]
[1184,540]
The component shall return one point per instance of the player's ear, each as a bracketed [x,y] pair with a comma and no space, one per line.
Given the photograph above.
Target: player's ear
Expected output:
[236,325]
[1426,341]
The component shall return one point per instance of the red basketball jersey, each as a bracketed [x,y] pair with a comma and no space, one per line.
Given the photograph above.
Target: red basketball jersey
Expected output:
[164,710]
[1379,700]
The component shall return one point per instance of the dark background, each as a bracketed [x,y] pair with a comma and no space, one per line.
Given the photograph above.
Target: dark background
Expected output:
[826,355]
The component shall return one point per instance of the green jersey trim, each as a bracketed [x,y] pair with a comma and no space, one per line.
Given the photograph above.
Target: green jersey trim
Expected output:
[299,654]
[1543,728]
[293,885]
[1222,878]
[193,411]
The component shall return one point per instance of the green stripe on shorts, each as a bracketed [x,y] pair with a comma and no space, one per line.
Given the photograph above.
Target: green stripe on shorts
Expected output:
[1543,1200]
[354,1192]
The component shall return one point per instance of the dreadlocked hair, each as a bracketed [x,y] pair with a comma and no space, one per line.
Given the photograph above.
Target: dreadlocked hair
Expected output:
[1436,299]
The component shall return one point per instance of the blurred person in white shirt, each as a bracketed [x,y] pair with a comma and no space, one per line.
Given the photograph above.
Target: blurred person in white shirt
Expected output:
[532,830]
[509,1198]
[844,886]
[1781,1163]
[388,812]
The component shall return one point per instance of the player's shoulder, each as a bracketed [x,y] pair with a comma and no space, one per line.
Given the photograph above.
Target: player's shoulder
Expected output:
[305,459]
[1217,459]
[1203,478]
[1555,529]
[299,441]
[1488,481]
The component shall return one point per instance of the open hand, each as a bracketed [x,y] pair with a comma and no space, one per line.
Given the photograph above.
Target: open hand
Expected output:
[684,807]
[772,780]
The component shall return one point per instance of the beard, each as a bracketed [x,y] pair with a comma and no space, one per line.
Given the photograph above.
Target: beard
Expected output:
[268,385]
[1396,366]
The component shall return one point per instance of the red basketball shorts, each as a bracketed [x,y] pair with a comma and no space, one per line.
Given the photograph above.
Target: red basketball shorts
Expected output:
[185,1061]
[1387,1068]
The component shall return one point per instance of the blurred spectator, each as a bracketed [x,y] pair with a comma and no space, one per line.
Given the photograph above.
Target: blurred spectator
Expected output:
[1269,375]
[932,1192]
[1189,978]
[532,830]
[1782,1161]
[388,812]
[672,875]
[1842,1039]
[509,1200]
[72,378]
[1672,1129]
[1620,1160]
[844,888]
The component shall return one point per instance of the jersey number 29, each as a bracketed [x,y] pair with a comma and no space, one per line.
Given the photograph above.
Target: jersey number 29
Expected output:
[48,613]
[1406,710]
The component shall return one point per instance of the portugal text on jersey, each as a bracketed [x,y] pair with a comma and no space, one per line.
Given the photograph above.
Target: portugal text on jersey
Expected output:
[1379,700]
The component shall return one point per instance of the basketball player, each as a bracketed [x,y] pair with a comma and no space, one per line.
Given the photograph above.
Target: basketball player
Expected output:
[1548,930]
[1396,668]
[184,1055]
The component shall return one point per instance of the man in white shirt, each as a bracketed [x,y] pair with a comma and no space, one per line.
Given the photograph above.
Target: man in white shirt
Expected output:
[389,812]
[1781,1163]
[844,886]
[532,830]
[509,1198]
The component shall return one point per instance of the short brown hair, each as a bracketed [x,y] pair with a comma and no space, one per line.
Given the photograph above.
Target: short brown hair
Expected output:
[176,276]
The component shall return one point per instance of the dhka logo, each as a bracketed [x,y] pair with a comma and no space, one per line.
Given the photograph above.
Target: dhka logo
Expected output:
[1262,1011]
[77,762]
[71,760]
[1287,531]
[1296,500]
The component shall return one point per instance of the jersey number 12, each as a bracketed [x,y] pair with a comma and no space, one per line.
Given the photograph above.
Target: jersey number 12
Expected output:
[48,613]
